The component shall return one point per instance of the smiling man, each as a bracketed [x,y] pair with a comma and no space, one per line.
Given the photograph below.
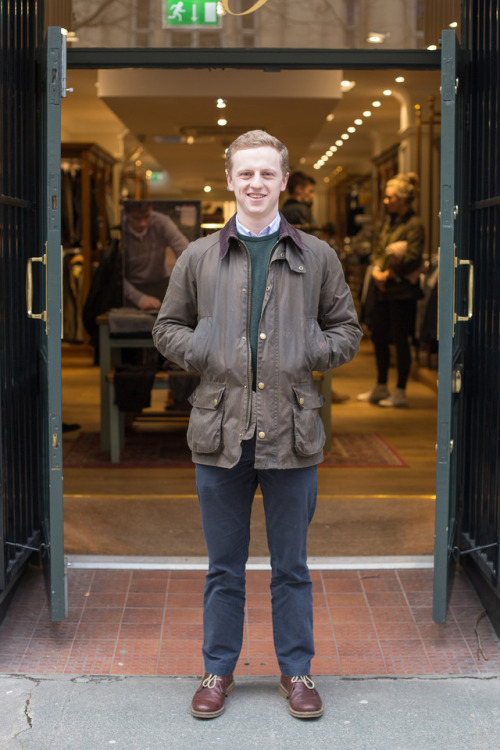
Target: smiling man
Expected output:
[255,308]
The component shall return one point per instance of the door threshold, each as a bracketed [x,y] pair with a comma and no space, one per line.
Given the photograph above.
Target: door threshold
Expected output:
[109,562]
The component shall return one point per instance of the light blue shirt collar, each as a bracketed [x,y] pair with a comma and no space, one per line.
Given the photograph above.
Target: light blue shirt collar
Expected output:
[270,229]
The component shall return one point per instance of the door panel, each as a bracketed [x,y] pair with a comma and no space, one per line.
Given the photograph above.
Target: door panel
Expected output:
[49,277]
[455,310]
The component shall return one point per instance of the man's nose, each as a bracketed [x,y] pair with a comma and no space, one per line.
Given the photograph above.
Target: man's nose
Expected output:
[256,178]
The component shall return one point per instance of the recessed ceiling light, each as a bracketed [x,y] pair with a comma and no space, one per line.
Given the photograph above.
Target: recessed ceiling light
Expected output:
[351,129]
[330,117]
[367,113]
[334,148]
[358,121]
[339,143]
[375,37]
[376,104]
[345,136]
[221,104]
[317,166]
[400,79]
[222,122]
[326,179]
[329,152]
[387,92]
[347,85]
[207,189]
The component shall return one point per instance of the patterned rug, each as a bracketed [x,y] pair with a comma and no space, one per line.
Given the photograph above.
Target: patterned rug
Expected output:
[169,449]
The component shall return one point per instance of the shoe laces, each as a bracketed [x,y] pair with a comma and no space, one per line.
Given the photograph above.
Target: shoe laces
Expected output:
[210,681]
[305,679]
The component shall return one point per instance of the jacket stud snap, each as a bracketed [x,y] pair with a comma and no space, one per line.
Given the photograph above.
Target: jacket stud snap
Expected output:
[261,386]
[301,400]
[215,402]
[262,435]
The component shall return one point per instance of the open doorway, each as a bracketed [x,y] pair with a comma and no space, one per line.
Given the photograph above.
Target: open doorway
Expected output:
[369,506]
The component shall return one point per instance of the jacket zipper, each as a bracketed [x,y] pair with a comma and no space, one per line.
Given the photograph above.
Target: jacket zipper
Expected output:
[249,368]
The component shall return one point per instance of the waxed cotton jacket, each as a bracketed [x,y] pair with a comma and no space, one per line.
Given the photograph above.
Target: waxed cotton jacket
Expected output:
[308,323]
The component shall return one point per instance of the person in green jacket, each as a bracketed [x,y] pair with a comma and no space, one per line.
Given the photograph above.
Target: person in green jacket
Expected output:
[396,266]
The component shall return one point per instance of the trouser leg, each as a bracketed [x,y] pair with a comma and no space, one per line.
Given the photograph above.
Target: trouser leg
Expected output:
[226,497]
[381,338]
[289,503]
[402,328]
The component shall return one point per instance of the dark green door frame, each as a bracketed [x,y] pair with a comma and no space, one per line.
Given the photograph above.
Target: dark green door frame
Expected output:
[263,58]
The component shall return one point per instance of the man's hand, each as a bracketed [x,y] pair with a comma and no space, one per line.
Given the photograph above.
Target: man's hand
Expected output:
[380,278]
[397,249]
[149,303]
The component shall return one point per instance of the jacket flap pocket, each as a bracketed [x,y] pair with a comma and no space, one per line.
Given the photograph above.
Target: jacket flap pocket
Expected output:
[208,395]
[308,397]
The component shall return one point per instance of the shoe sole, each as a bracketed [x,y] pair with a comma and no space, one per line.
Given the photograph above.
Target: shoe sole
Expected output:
[212,714]
[300,714]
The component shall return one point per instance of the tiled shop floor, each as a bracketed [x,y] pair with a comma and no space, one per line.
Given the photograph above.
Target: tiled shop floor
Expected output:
[143,622]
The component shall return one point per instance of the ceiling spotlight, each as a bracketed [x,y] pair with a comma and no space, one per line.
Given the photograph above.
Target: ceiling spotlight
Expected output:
[432,47]
[334,148]
[330,117]
[207,189]
[222,122]
[400,79]
[452,25]
[351,129]
[329,152]
[347,85]
[190,139]
[358,121]
[375,37]
[387,92]
[345,136]
[317,166]
[339,143]
[221,104]
[367,113]
[376,104]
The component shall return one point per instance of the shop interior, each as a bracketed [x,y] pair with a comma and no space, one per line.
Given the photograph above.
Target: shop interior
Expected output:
[159,135]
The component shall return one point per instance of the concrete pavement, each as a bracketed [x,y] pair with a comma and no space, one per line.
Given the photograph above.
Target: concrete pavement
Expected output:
[152,713]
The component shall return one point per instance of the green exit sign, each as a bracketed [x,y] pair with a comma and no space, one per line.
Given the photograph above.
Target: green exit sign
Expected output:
[191,13]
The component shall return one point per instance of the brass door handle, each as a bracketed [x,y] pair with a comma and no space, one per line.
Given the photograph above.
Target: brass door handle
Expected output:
[29,289]
[470,292]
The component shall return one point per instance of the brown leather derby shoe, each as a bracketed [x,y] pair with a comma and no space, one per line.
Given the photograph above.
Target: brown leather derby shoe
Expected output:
[208,701]
[304,701]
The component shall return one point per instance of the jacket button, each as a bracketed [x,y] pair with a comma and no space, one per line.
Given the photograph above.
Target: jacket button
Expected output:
[262,336]
[262,435]
[301,400]
[260,386]
[301,268]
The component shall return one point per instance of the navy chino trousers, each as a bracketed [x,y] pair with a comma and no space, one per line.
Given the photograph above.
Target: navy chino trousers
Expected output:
[226,497]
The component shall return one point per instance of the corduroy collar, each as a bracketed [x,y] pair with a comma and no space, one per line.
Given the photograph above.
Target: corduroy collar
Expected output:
[228,232]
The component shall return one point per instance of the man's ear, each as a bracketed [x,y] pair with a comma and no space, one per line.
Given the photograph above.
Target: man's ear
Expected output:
[285,181]
[229,181]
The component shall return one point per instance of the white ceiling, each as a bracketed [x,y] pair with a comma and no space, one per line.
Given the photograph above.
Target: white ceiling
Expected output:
[127,111]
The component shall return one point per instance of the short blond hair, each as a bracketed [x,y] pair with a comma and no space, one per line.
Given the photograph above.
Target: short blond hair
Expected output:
[405,186]
[256,139]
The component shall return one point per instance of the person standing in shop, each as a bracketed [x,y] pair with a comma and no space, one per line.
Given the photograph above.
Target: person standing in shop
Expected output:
[255,308]
[146,235]
[298,208]
[396,267]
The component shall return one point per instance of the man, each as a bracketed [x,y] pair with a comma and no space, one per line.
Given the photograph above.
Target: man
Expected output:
[255,308]
[298,208]
[146,235]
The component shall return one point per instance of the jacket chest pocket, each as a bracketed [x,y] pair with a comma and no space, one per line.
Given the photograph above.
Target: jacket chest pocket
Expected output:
[204,434]
[308,430]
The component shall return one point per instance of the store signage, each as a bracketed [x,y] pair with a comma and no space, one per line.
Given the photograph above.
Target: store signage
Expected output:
[200,13]
[192,13]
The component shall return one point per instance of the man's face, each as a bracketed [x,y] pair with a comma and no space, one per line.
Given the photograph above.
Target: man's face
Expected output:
[138,220]
[305,193]
[393,204]
[257,181]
